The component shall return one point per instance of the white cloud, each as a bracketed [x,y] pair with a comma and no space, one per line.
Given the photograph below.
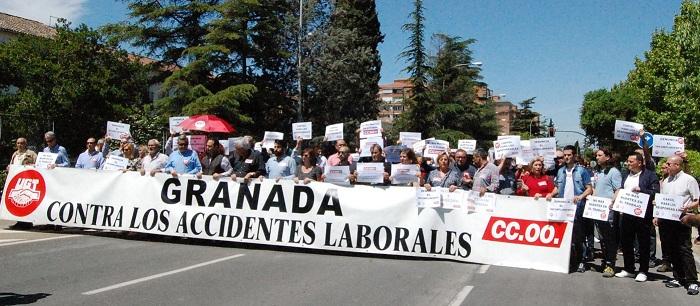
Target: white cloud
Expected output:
[44,11]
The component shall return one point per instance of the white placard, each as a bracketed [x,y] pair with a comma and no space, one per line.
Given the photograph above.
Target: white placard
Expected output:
[506,147]
[453,200]
[224,144]
[338,175]
[427,199]
[526,154]
[117,131]
[269,138]
[371,129]
[627,131]
[367,143]
[419,147]
[631,203]
[468,145]
[334,132]
[559,209]
[597,208]
[481,204]
[665,146]
[114,162]
[370,173]
[544,146]
[409,138]
[433,149]
[404,174]
[198,143]
[232,144]
[668,206]
[301,130]
[44,159]
[174,124]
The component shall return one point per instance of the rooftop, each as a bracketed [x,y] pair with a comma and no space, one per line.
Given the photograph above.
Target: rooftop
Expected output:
[19,25]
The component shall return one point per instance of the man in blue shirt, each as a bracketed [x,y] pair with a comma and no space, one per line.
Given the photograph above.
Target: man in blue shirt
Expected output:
[183,161]
[53,147]
[606,181]
[91,158]
[574,184]
[280,165]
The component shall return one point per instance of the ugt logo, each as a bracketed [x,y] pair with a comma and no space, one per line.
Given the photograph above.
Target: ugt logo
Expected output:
[25,192]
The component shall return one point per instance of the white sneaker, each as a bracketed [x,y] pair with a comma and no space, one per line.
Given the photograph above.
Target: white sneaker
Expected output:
[623,274]
[641,277]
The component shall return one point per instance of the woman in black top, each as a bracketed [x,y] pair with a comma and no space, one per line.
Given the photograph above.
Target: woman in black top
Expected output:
[307,171]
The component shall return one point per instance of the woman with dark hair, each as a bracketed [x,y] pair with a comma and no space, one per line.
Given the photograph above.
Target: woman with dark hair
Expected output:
[307,171]
[408,157]
[537,183]
[606,181]
[377,157]
[444,176]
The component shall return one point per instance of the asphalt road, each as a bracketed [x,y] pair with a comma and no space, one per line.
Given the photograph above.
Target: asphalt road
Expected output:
[77,267]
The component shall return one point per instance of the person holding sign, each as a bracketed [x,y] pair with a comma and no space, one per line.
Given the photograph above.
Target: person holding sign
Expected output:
[536,183]
[641,180]
[91,158]
[377,157]
[334,160]
[607,180]
[408,157]
[308,171]
[53,147]
[675,234]
[574,184]
[344,160]
[184,160]
[444,176]
[466,168]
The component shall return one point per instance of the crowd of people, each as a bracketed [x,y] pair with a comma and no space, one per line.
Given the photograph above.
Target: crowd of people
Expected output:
[567,176]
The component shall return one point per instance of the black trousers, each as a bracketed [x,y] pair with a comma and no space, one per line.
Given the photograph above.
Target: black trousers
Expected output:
[676,236]
[665,251]
[631,228]
[609,238]
[578,237]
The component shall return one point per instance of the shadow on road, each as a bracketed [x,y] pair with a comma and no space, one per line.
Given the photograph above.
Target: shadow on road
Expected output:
[11,298]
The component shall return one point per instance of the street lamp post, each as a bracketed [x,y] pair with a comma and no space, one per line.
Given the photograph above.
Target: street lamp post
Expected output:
[300,117]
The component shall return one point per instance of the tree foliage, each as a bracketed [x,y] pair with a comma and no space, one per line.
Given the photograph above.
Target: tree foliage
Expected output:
[525,122]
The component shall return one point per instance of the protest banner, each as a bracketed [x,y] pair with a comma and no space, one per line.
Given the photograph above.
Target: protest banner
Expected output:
[409,138]
[174,124]
[404,174]
[198,143]
[631,203]
[370,173]
[419,146]
[371,129]
[506,147]
[665,146]
[114,162]
[117,131]
[627,131]
[334,132]
[559,209]
[668,206]
[597,208]
[44,159]
[301,130]
[363,219]
[468,145]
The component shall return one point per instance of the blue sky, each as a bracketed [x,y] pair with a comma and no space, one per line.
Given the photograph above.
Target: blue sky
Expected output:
[553,50]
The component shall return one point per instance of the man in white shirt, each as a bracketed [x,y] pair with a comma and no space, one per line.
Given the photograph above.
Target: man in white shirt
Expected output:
[154,161]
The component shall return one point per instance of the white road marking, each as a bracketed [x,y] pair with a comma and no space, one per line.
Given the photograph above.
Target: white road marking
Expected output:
[461,296]
[9,240]
[38,240]
[483,269]
[147,278]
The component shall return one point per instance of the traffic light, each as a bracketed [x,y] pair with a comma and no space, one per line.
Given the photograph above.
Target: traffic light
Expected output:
[550,129]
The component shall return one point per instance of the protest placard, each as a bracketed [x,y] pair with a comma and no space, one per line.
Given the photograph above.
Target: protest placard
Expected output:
[114,162]
[269,138]
[404,174]
[427,199]
[468,145]
[409,138]
[506,147]
[481,204]
[371,129]
[338,175]
[367,143]
[453,200]
[526,154]
[631,203]
[665,146]
[559,209]
[668,206]
[434,148]
[301,130]
[543,146]
[597,208]
[174,124]
[198,143]
[334,132]
[627,131]
[44,159]
[370,173]
[117,131]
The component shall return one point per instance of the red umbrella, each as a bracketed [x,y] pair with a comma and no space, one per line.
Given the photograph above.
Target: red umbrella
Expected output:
[207,123]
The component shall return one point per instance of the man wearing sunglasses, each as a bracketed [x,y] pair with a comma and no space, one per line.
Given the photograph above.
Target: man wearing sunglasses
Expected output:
[53,147]
[184,160]
[91,158]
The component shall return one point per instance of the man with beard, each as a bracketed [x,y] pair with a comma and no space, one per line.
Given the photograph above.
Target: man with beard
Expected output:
[215,163]
[280,166]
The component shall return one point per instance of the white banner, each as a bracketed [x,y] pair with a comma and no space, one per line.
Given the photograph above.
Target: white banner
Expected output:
[334,132]
[631,203]
[468,145]
[597,208]
[668,206]
[44,159]
[117,131]
[665,146]
[409,138]
[301,130]
[453,200]
[363,219]
[371,129]
[174,124]
[627,131]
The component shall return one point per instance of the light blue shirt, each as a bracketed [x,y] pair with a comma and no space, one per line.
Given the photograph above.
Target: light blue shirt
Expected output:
[605,185]
[183,162]
[90,160]
[62,159]
[284,167]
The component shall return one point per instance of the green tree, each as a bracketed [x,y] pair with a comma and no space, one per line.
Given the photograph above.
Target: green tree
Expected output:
[525,122]
[602,107]
[72,83]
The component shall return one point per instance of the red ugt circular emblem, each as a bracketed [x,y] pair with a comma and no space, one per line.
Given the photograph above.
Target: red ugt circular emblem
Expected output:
[25,192]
